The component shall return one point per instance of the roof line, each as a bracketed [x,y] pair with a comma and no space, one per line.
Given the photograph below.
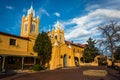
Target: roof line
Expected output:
[7,34]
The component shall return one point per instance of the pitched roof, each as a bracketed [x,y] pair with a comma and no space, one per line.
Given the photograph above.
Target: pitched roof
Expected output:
[79,45]
[7,34]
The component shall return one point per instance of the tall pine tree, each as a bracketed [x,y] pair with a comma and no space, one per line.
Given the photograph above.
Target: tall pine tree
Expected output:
[90,51]
[43,47]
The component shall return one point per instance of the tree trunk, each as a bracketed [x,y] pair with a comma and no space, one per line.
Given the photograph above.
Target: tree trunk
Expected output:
[113,58]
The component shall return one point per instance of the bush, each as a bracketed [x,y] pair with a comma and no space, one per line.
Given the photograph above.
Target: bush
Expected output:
[102,61]
[37,67]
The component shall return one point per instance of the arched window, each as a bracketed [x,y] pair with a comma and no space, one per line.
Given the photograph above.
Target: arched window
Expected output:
[78,51]
[25,28]
[56,37]
[50,36]
[74,50]
[32,28]
[60,37]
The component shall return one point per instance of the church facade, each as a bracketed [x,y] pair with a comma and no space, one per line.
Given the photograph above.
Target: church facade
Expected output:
[16,52]
[64,53]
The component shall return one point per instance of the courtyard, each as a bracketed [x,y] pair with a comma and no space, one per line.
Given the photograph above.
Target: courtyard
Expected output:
[75,73]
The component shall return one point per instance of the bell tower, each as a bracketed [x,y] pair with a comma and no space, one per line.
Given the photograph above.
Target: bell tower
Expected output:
[30,24]
[57,34]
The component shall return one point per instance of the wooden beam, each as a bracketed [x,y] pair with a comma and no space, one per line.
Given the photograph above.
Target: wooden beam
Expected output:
[3,64]
[22,63]
[34,60]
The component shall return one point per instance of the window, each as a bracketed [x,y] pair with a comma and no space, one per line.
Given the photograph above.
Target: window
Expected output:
[69,57]
[25,29]
[29,60]
[0,40]
[78,51]
[12,42]
[11,60]
[32,28]
[56,37]
[61,37]
[61,56]
[74,50]
[50,36]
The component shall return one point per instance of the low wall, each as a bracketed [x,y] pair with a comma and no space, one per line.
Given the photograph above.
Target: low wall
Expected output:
[89,64]
[109,62]
[117,64]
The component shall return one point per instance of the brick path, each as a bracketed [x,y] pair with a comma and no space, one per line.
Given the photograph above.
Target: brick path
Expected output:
[63,74]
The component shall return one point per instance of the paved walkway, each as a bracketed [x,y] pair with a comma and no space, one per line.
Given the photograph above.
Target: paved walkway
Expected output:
[63,74]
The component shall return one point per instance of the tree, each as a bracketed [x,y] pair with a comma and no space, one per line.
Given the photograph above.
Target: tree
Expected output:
[110,37]
[90,51]
[43,47]
[117,53]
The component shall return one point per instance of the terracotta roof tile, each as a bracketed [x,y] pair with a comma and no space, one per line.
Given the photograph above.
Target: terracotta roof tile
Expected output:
[79,45]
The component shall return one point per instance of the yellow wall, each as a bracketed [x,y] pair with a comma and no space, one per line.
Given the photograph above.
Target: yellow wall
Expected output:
[54,58]
[65,50]
[21,45]
[60,49]
[20,49]
[78,51]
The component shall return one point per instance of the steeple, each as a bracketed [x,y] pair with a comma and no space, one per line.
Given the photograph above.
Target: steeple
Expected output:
[31,7]
[57,34]
[57,25]
[31,11]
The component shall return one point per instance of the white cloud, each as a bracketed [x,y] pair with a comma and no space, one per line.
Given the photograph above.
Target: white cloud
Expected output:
[57,14]
[107,4]
[86,26]
[9,7]
[92,7]
[105,13]
[42,11]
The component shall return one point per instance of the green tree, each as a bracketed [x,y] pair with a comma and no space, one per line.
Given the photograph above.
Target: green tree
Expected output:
[90,51]
[43,47]
[117,53]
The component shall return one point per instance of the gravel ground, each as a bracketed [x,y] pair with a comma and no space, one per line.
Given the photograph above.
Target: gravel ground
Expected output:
[62,74]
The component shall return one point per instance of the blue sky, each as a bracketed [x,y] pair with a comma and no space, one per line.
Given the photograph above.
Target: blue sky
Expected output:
[79,18]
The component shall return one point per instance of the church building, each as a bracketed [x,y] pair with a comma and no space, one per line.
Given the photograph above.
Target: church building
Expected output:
[16,52]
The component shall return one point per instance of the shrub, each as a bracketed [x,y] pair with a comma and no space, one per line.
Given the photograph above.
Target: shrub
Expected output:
[102,61]
[37,67]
